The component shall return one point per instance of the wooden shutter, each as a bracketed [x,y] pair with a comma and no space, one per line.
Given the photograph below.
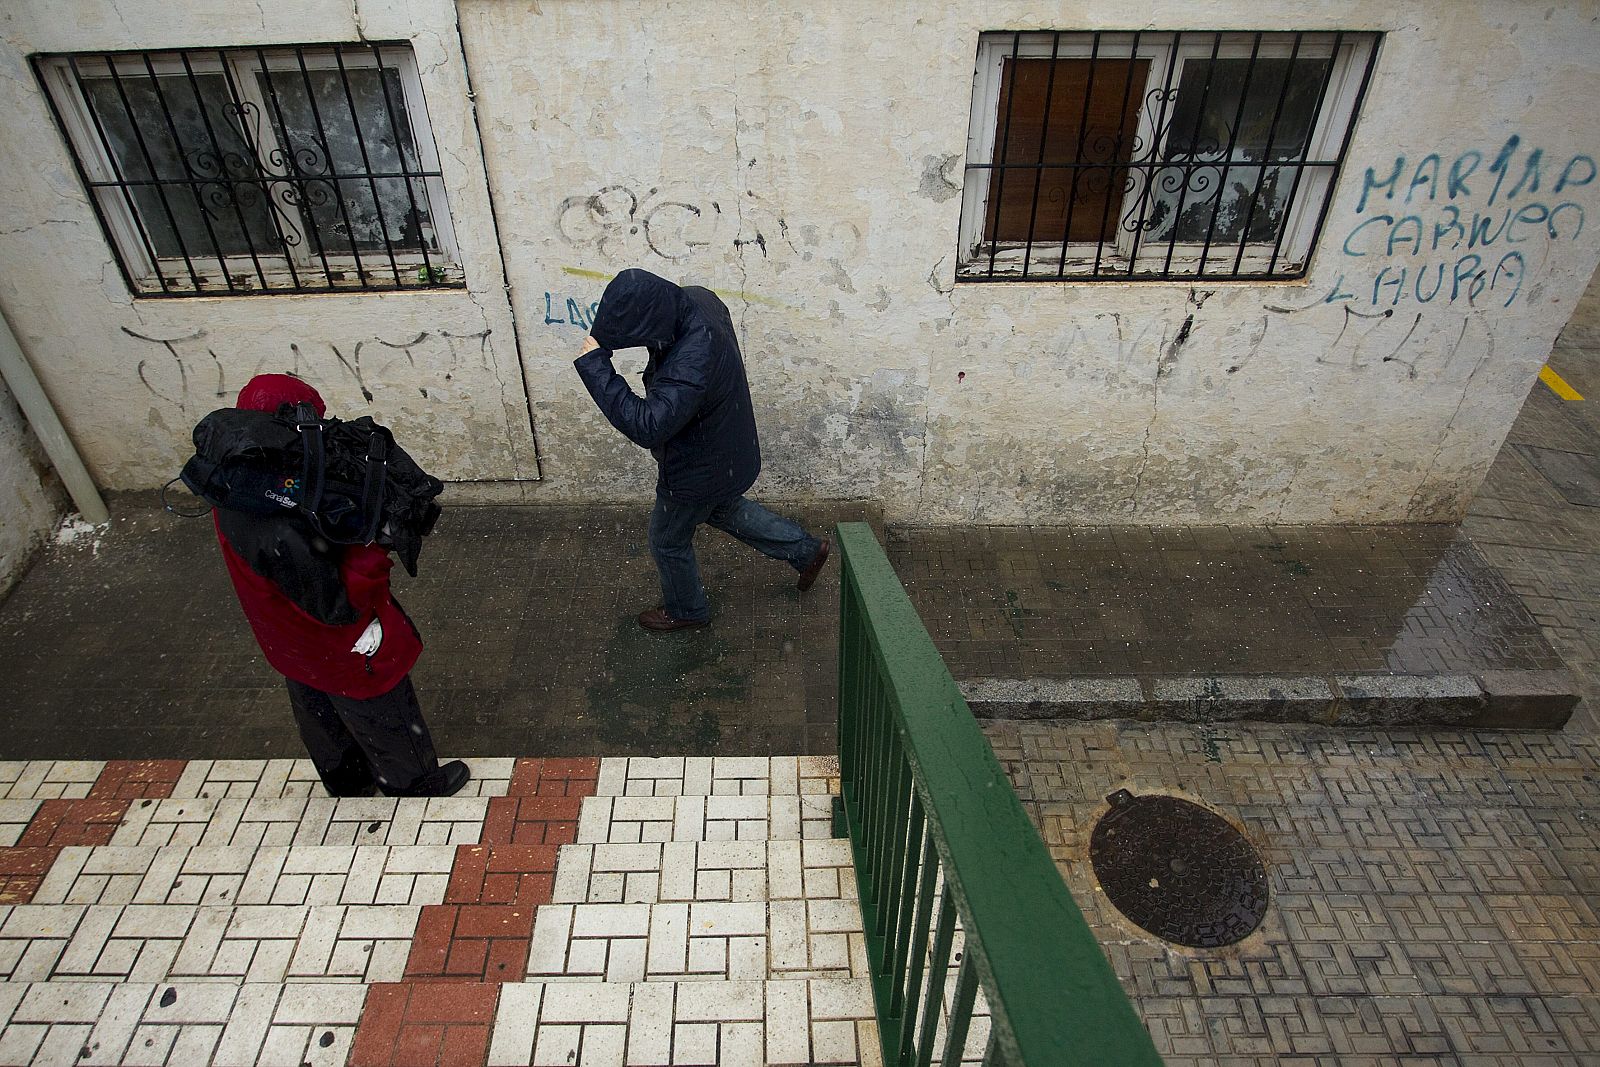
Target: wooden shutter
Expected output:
[1102,134]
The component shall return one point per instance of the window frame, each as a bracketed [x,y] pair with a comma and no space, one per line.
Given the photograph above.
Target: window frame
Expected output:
[1119,258]
[281,266]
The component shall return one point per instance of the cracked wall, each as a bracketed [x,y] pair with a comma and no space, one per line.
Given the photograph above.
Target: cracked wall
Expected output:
[132,376]
[30,489]
[808,165]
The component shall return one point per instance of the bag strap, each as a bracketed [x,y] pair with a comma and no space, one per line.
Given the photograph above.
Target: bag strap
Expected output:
[372,486]
[313,475]
[313,462]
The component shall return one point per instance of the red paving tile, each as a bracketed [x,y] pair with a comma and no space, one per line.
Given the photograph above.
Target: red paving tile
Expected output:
[467,959]
[464,1046]
[464,948]
[425,1024]
[452,1004]
[471,942]
[25,862]
[138,779]
[494,920]
[532,820]
[19,889]
[467,873]
[554,777]
[74,822]
[418,1046]
[22,871]
[502,874]
[430,945]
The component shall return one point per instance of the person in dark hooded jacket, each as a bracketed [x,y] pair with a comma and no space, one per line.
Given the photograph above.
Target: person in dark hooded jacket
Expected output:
[696,418]
[325,619]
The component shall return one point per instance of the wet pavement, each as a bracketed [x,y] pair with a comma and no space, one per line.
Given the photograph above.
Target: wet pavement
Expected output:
[132,645]
[1056,602]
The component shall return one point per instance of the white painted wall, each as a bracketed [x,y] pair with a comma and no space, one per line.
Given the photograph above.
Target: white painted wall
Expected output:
[806,163]
[132,376]
[31,500]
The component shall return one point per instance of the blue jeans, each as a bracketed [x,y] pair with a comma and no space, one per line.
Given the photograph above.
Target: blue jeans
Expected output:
[672,527]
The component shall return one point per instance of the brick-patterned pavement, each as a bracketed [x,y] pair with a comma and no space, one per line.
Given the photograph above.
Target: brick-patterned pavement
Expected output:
[676,910]
[1435,895]
[1546,546]
[477,937]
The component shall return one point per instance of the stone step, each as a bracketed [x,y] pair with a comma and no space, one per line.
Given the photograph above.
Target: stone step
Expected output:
[1486,699]
[698,941]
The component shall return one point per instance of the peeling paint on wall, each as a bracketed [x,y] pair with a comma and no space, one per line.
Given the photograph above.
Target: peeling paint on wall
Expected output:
[805,165]
[30,488]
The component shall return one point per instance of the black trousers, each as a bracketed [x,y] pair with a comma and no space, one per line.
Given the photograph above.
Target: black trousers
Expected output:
[358,744]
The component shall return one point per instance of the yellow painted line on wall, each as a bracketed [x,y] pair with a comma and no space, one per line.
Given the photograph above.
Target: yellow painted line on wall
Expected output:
[1558,385]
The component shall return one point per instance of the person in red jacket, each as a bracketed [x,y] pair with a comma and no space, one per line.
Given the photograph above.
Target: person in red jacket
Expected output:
[326,621]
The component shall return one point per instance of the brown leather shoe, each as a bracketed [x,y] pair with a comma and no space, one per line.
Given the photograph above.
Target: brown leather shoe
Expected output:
[658,621]
[808,577]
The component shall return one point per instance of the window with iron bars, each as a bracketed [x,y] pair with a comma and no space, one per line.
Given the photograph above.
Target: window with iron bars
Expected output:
[259,170]
[1151,156]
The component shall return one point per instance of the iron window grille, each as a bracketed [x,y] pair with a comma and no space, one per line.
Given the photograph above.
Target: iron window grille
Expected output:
[1151,156]
[259,170]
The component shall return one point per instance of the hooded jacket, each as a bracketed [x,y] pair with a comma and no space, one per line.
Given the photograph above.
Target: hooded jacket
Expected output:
[308,600]
[696,417]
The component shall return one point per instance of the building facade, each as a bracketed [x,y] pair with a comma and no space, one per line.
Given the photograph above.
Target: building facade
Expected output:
[990,263]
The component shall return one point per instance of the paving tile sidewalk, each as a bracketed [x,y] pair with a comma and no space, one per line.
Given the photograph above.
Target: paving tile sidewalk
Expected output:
[676,911]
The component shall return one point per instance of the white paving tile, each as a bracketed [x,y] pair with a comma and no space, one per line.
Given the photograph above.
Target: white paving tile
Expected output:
[659,1023]
[705,917]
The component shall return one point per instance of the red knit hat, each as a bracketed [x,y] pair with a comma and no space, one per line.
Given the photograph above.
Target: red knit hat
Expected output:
[269,392]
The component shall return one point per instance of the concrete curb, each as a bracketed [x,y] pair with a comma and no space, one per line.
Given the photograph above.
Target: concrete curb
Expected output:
[1513,700]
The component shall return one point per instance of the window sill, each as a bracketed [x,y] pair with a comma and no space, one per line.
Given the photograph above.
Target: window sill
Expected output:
[242,279]
[1046,264]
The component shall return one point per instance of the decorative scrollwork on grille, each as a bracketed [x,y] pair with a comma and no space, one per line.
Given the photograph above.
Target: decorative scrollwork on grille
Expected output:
[1167,149]
[221,177]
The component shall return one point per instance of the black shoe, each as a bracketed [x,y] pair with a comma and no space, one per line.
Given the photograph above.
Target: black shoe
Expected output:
[447,781]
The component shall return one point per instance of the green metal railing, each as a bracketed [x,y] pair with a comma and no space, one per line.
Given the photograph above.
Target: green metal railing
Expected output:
[939,835]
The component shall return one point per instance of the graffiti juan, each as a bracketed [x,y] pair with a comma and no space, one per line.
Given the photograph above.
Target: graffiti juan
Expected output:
[1469,228]
[186,372]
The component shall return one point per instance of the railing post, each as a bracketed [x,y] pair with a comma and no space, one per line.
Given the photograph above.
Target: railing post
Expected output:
[930,813]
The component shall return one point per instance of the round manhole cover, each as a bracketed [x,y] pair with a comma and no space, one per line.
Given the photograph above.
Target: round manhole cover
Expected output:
[1178,871]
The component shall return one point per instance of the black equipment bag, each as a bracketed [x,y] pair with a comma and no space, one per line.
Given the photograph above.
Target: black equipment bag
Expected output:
[349,480]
